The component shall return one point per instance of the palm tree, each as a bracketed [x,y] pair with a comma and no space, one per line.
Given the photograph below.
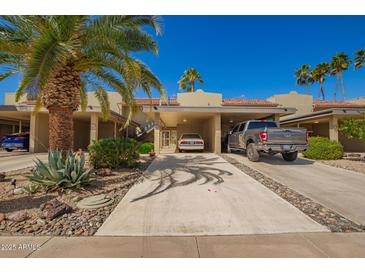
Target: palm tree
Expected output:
[340,62]
[318,75]
[359,59]
[303,76]
[187,80]
[60,57]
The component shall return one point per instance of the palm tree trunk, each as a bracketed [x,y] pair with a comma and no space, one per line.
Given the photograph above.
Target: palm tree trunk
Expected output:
[192,86]
[60,128]
[61,96]
[335,94]
[306,87]
[343,86]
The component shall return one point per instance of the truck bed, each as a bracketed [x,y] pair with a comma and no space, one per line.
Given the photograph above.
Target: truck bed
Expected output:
[282,136]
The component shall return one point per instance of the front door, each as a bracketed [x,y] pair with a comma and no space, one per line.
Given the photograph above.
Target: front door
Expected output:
[165,138]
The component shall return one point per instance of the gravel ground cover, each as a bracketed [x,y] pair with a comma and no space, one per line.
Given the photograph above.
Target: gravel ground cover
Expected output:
[332,220]
[20,213]
[353,165]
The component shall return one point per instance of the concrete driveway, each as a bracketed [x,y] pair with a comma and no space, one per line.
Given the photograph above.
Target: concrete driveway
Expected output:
[341,190]
[19,160]
[202,194]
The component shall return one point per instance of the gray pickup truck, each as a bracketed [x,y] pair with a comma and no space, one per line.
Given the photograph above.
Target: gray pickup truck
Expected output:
[257,136]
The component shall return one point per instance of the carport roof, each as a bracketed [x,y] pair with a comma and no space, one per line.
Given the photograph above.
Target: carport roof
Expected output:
[222,109]
[322,114]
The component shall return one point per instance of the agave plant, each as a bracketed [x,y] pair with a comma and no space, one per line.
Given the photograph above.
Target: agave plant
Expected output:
[67,173]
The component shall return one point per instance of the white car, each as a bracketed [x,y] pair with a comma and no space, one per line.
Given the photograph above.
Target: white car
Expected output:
[190,141]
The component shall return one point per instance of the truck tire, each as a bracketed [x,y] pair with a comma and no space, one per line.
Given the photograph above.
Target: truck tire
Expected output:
[290,156]
[252,154]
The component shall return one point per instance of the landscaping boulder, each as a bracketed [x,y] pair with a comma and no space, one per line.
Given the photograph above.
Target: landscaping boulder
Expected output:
[54,209]
[2,217]
[104,172]
[2,176]
[17,216]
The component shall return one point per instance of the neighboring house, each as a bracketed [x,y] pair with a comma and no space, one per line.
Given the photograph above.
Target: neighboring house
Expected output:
[321,118]
[88,125]
[204,113]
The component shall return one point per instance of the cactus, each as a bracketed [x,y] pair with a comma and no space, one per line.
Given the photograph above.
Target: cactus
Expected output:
[67,173]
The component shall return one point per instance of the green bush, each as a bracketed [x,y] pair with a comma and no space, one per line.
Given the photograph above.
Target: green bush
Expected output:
[146,148]
[60,173]
[114,153]
[321,148]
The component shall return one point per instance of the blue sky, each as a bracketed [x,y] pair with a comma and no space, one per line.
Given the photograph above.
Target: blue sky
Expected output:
[251,56]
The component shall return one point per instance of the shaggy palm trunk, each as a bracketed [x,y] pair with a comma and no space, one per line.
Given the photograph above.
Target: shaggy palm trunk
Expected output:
[61,96]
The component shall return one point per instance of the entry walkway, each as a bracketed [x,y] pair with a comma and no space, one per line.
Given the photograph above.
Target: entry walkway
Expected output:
[290,245]
[20,161]
[202,194]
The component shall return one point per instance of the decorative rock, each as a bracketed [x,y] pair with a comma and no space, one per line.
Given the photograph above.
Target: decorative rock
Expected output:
[41,221]
[104,172]
[18,191]
[2,217]
[96,201]
[53,209]
[18,216]
[2,176]
[13,182]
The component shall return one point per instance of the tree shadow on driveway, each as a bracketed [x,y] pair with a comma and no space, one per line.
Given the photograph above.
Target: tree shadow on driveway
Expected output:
[197,168]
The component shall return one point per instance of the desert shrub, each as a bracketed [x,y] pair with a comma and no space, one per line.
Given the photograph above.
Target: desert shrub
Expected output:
[321,148]
[353,128]
[67,172]
[146,148]
[114,153]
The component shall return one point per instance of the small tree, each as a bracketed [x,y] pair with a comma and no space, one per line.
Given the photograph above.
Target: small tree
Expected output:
[353,128]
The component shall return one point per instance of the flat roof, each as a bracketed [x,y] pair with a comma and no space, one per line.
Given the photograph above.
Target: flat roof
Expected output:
[323,113]
[222,109]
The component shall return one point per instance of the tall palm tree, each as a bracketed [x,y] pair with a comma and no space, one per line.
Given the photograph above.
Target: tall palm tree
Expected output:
[318,75]
[340,62]
[303,76]
[359,59]
[60,57]
[187,80]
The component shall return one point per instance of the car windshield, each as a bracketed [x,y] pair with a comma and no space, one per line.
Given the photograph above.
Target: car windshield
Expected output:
[253,125]
[190,136]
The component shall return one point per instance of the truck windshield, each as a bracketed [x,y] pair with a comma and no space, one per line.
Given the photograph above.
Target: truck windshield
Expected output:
[263,124]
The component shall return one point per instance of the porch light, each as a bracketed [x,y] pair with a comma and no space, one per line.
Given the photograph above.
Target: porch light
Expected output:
[184,120]
[316,122]
[231,121]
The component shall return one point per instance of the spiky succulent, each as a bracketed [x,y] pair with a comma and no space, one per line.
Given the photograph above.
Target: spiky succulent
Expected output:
[68,173]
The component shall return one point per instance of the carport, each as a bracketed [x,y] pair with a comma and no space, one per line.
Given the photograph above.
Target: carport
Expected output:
[88,125]
[212,123]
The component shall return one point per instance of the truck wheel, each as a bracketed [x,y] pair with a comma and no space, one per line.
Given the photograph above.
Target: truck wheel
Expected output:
[229,150]
[252,154]
[290,156]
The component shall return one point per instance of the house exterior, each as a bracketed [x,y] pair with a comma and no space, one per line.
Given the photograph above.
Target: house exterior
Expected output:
[205,113]
[322,118]
[88,125]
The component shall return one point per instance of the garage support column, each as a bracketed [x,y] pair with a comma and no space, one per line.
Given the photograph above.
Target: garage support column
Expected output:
[115,129]
[156,133]
[217,133]
[94,127]
[32,132]
[333,127]
[276,118]
[20,126]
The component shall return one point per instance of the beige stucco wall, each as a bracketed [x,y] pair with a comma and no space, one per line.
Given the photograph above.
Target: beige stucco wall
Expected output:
[351,145]
[106,129]
[360,100]
[302,102]
[199,98]
[5,129]
[39,132]
[81,134]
